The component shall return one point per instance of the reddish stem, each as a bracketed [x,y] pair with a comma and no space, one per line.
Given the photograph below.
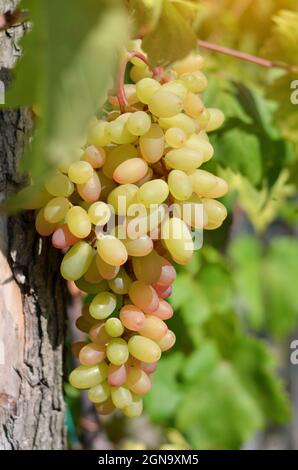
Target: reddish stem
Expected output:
[121,78]
[245,56]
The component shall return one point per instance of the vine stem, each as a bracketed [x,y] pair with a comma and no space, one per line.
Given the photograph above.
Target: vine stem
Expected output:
[121,77]
[247,57]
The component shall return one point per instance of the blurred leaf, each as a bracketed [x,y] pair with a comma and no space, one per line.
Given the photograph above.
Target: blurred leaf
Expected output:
[282,45]
[217,411]
[215,283]
[73,62]
[145,14]
[200,362]
[166,393]
[172,39]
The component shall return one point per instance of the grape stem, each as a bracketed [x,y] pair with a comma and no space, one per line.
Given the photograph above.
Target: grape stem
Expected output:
[247,57]
[121,78]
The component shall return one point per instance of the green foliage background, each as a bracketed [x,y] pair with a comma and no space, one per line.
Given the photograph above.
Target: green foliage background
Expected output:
[237,300]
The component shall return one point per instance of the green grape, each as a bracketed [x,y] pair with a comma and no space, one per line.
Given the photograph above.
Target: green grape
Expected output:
[134,409]
[130,171]
[118,132]
[59,185]
[121,282]
[92,275]
[152,144]
[201,144]
[203,182]
[178,240]
[139,123]
[191,63]
[148,268]
[216,119]
[84,377]
[107,271]
[180,185]
[116,156]
[165,104]
[117,351]
[80,172]
[181,120]
[153,192]
[175,137]
[56,209]
[89,287]
[144,349]
[215,211]
[121,397]
[177,87]
[114,327]
[146,88]
[112,250]
[103,305]
[193,105]
[100,393]
[99,213]
[97,134]
[141,246]
[122,197]
[184,159]
[76,261]
[78,222]
[138,73]
[196,82]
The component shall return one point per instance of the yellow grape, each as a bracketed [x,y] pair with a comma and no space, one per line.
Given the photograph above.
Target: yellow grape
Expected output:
[203,119]
[122,197]
[196,82]
[193,105]
[96,156]
[138,73]
[165,104]
[152,144]
[76,261]
[144,297]
[97,134]
[139,123]
[43,227]
[59,185]
[146,88]
[121,397]
[121,282]
[116,156]
[177,87]
[178,240]
[114,327]
[90,191]
[107,271]
[191,63]
[88,376]
[220,189]
[134,409]
[92,275]
[117,351]
[203,182]
[103,305]
[215,211]
[180,185]
[144,349]
[138,381]
[112,250]
[202,145]
[175,137]
[184,159]
[100,393]
[181,120]
[56,209]
[141,246]
[148,268]
[192,212]
[168,341]
[107,185]
[91,288]
[80,172]
[130,171]
[153,328]
[99,213]
[148,177]
[118,132]
[78,222]
[216,119]
[153,192]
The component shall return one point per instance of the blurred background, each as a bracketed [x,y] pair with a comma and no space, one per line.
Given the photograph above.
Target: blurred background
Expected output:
[231,381]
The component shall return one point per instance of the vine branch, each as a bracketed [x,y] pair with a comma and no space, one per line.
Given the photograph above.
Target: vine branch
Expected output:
[247,57]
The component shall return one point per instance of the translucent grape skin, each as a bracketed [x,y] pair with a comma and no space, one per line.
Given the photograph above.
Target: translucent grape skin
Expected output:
[117,351]
[112,250]
[132,317]
[76,261]
[63,238]
[165,104]
[117,375]
[96,156]
[153,328]
[84,377]
[138,381]
[92,354]
[130,171]
[144,349]
[78,222]
[144,297]
[152,144]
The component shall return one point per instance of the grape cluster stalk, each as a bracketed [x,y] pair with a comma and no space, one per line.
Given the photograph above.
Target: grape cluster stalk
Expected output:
[147,152]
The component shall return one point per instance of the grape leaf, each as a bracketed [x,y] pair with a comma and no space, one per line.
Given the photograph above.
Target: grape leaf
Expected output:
[172,38]
[73,57]
[145,15]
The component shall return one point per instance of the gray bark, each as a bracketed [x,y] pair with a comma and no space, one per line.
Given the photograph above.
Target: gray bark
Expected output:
[32,298]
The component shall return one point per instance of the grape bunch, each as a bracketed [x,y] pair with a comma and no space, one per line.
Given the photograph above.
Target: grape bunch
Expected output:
[147,153]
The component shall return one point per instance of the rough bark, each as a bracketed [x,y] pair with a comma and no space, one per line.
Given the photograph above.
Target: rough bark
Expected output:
[32,299]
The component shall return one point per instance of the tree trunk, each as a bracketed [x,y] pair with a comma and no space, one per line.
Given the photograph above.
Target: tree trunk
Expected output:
[32,299]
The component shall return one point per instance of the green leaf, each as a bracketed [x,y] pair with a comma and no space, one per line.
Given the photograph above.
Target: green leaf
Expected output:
[166,392]
[172,39]
[217,411]
[73,56]
[200,362]
[145,14]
